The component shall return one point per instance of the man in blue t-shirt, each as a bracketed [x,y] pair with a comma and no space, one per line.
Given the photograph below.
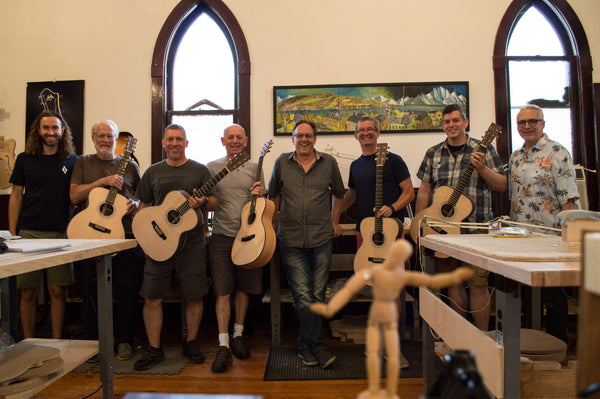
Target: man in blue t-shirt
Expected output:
[39,207]
[396,191]
[397,186]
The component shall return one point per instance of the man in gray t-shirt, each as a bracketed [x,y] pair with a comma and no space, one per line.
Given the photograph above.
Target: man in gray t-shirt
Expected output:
[233,192]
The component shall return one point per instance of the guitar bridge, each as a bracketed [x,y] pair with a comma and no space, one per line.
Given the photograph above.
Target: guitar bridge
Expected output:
[158,231]
[376,260]
[99,228]
[438,229]
[248,238]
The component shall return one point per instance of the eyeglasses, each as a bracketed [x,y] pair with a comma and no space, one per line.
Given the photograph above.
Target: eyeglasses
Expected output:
[304,136]
[105,136]
[369,130]
[532,122]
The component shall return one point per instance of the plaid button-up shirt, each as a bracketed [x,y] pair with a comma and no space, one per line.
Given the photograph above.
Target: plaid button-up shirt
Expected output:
[440,168]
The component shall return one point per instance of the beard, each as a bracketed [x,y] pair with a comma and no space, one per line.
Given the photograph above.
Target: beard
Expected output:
[51,141]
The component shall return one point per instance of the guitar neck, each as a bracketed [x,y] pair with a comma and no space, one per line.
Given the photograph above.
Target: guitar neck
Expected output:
[256,179]
[464,179]
[204,190]
[378,196]
[113,191]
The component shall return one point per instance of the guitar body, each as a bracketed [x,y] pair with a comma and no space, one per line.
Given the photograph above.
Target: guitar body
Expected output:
[7,161]
[160,229]
[255,243]
[100,219]
[440,209]
[376,244]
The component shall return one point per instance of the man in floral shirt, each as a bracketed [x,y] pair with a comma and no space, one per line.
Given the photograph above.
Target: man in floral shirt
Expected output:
[542,183]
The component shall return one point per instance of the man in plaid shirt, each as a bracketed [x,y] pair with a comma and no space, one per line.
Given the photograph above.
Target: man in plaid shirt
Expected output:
[443,165]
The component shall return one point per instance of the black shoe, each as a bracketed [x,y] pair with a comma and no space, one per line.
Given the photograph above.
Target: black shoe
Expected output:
[192,352]
[222,360]
[324,357]
[307,357]
[151,357]
[239,348]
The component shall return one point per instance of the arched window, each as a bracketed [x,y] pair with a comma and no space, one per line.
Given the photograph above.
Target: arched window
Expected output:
[541,56]
[200,77]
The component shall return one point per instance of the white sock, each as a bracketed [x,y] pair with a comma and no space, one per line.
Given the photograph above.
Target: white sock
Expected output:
[238,329]
[224,339]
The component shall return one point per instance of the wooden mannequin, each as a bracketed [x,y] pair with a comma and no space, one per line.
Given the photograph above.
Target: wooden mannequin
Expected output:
[388,279]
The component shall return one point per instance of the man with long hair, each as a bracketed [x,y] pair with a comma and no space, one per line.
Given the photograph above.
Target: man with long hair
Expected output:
[39,207]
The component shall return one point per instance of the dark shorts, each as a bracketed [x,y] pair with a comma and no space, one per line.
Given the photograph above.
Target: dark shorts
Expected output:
[227,277]
[61,275]
[479,278]
[189,267]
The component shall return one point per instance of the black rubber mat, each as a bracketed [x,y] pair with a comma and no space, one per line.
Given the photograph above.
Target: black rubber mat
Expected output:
[284,364]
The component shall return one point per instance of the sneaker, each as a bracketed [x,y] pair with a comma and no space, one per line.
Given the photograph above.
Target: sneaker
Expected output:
[222,360]
[124,351]
[239,348]
[191,350]
[324,357]
[93,359]
[308,358]
[150,358]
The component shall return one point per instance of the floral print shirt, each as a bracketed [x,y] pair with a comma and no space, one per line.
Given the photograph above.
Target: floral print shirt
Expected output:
[540,182]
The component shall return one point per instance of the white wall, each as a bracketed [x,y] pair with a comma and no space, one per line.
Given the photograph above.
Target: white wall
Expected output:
[109,44]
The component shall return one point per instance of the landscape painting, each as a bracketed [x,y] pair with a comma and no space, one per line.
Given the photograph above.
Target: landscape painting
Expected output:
[399,107]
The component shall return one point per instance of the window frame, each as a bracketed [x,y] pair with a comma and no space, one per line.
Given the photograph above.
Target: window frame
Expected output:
[175,26]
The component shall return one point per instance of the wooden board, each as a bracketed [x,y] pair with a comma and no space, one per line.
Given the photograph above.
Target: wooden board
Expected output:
[533,274]
[47,368]
[458,333]
[19,358]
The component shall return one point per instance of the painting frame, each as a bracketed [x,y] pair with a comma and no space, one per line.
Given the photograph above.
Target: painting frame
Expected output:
[408,107]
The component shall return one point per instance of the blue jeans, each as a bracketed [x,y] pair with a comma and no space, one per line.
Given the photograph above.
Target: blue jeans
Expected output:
[307,272]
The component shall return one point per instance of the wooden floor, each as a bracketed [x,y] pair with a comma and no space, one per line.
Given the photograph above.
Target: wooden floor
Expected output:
[244,377]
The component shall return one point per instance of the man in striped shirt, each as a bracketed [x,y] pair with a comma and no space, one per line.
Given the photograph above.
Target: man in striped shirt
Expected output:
[301,186]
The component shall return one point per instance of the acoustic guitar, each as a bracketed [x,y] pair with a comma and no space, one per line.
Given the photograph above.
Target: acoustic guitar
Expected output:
[102,218]
[255,242]
[160,230]
[379,233]
[7,159]
[450,204]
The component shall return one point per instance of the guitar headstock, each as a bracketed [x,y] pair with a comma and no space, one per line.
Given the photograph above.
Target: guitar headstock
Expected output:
[267,147]
[381,154]
[129,147]
[490,134]
[238,160]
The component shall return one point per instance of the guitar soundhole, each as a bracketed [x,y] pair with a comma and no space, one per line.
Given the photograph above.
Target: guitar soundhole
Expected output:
[106,209]
[251,217]
[173,217]
[378,238]
[447,210]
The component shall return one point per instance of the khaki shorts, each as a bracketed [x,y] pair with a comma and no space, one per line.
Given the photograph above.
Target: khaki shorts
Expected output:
[61,275]
[479,278]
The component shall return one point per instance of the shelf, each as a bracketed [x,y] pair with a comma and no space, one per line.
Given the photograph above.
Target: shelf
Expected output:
[72,352]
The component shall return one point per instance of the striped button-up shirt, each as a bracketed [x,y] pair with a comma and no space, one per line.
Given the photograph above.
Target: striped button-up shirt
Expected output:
[305,210]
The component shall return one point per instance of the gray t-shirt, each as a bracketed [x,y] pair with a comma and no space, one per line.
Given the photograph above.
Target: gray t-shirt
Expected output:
[160,179]
[233,192]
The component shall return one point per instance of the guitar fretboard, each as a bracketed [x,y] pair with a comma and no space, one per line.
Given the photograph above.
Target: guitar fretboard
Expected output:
[378,196]
[464,179]
[112,193]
